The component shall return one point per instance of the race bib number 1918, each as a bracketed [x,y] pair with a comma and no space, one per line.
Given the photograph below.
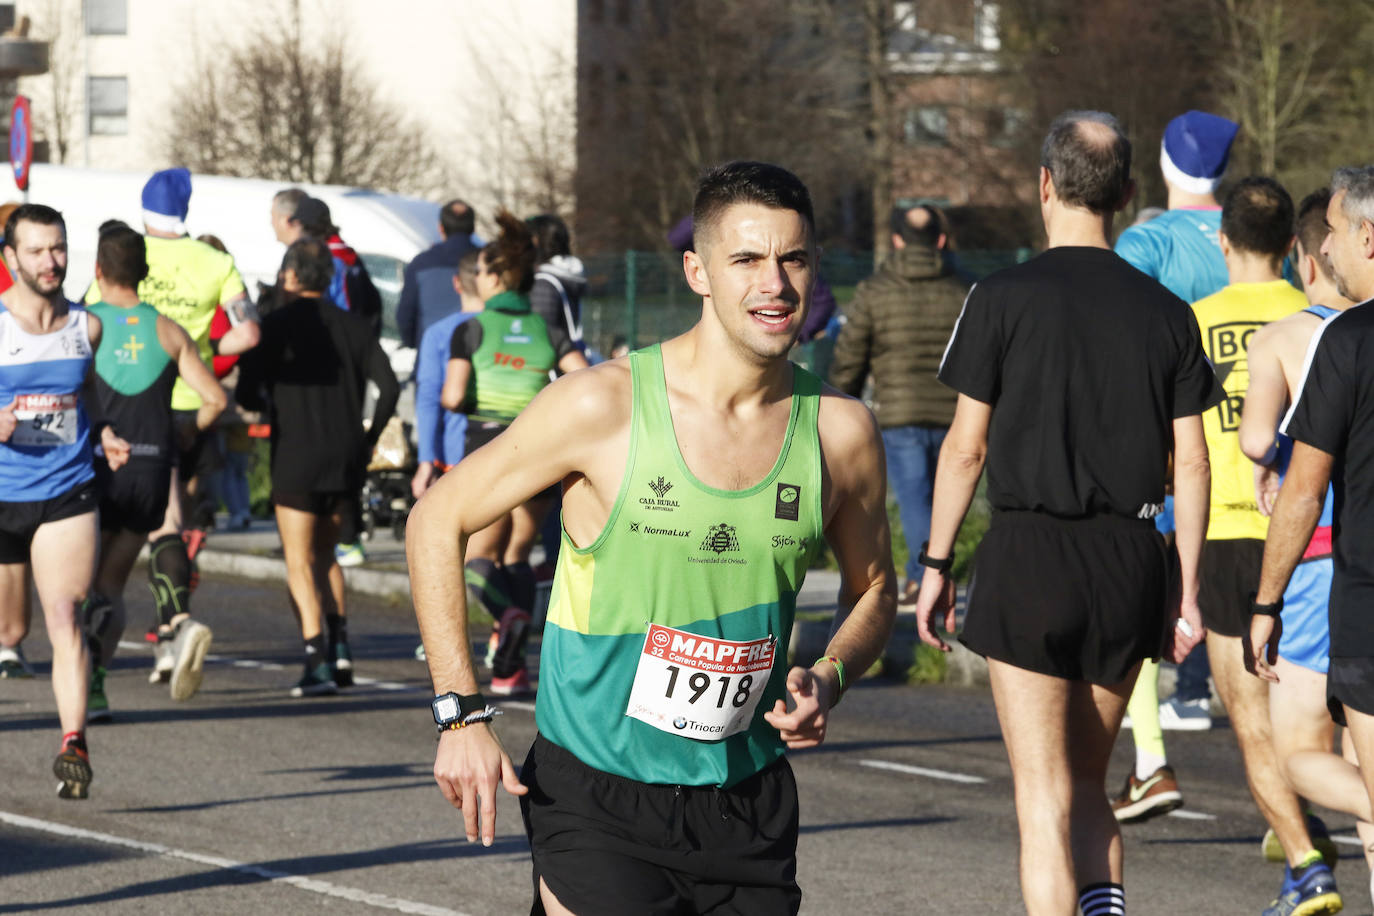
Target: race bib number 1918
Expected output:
[699,686]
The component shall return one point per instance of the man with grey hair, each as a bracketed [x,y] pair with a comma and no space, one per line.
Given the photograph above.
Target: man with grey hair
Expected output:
[1076,376]
[284,204]
[1331,424]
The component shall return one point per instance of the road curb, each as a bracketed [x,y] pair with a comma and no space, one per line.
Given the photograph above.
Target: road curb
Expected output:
[378,583]
[963,668]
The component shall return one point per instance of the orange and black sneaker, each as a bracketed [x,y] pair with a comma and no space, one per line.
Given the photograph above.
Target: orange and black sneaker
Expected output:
[73,767]
[1142,799]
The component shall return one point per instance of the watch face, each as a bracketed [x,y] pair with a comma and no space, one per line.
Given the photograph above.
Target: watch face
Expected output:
[445,709]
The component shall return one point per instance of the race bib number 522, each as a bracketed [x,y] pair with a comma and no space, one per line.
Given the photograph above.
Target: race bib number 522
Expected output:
[44,420]
[699,686]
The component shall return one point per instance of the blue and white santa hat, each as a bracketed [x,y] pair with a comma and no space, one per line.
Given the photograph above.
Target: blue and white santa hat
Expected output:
[166,198]
[1195,150]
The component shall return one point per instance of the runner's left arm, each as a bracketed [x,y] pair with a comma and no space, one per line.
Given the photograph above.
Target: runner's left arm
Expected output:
[380,373]
[244,333]
[1266,398]
[857,531]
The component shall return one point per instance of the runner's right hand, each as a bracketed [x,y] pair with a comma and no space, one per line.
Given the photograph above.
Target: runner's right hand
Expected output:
[469,764]
[936,597]
[7,421]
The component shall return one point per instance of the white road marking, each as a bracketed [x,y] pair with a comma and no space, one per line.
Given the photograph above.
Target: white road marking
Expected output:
[922,771]
[313,885]
[390,686]
[1347,840]
[1192,815]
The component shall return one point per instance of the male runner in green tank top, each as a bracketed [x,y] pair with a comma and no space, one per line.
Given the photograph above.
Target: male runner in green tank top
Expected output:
[139,359]
[698,478]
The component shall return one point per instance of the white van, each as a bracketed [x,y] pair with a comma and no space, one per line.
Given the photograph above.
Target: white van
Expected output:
[387,230]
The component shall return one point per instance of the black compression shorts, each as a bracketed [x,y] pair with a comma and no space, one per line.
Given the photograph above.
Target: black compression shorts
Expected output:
[1349,683]
[1080,599]
[323,502]
[134,498]
[613,846]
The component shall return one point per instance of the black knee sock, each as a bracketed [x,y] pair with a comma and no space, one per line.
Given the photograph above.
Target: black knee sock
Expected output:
[510,646]
[1103,899]
[338,628]
[488,586]
[97,615]
[169,577]
[521,578]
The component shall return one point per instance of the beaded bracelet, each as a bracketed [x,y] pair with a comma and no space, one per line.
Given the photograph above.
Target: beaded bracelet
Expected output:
[472,718]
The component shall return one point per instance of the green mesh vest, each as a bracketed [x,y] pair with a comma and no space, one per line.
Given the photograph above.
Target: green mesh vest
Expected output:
[687,592]
[513,362]
[133,381]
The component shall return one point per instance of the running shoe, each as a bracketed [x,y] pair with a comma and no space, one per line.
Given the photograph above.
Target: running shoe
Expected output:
[343,664]
[1315,894]
[163,660]
[1142,799]
[190,644]
[1185,715]
[515,685]
[492,642]
[1272,849]
[420,653]
[97,704]
[73,767]
[349,554]
[12,663]
[316,681]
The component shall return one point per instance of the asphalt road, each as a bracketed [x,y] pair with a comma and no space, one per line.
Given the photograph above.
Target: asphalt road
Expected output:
[244,800]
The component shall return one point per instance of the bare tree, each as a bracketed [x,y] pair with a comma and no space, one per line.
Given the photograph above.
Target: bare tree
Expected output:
[59,109]
[275,106]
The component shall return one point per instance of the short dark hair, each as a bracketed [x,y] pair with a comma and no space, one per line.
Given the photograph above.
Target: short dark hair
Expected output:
[1310,227]
[927,235]
[1090,170]
[122,255]
[313,216]
[309,259]
[1257,217]
[41,214]
[467,270]
[457,219]
[743,182]
[551,238]
[111,224]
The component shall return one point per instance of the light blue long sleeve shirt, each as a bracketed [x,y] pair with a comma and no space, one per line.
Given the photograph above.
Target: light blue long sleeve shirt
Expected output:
[440,432]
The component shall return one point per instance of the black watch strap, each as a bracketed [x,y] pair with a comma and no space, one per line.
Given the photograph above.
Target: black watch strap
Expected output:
[1266,610]
[466,706]
[926,560]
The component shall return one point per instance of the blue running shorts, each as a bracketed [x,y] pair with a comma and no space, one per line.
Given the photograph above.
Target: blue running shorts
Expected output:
[1306,638]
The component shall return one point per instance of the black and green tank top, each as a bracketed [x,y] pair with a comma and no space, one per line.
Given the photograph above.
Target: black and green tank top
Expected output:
[133,381]
[667,636]
[512,363]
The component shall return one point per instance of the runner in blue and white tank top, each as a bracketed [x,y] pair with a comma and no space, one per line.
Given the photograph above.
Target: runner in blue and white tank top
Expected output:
[48,513]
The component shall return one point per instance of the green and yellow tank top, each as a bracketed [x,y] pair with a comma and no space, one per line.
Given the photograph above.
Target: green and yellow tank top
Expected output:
[667,636]
[133,381]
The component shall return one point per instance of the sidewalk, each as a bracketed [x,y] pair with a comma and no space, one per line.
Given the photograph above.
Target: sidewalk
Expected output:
[255,553]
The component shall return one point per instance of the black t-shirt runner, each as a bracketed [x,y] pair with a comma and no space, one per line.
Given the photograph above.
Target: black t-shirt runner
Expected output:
[1334,412]
[1087,362]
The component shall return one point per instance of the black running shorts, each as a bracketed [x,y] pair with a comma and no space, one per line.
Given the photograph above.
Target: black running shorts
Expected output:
[201,458]
[20,520]
[321,502]
[1349,683]
[1227,578]
[1080,599]
[134,498]
[612,846]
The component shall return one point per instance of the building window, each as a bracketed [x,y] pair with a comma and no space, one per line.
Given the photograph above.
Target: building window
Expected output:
[6,17]
[1004,125]
[596,10]
[927,125]
[108,103]
[107,17]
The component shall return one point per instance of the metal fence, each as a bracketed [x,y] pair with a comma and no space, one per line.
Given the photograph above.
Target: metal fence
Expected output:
[642,297]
